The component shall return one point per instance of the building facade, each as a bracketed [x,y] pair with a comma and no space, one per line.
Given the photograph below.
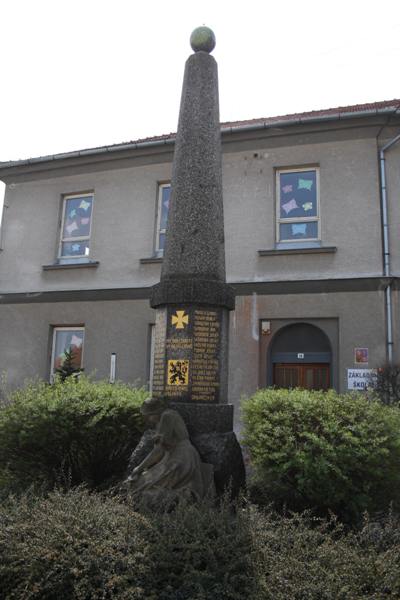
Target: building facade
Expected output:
[312,224]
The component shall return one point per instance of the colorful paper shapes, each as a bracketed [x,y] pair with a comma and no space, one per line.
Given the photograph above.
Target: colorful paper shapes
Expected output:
[287,188]
[76,341]
[299,228]
[72,213]
[289,206]
[307,206]
[305,184]
[76,247]
[85,221]
[85,205]
[72,227]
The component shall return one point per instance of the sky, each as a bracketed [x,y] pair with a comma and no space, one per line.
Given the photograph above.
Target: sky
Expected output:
[81,74]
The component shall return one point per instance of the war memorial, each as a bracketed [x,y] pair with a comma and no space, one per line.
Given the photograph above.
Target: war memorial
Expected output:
[192,300]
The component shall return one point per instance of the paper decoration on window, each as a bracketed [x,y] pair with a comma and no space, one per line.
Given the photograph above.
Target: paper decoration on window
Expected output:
[166,203]
[85,205]
[289,206]
[305,184]
[287,188]
[72,213]
[72,227]
[299,229]
[307,206]
[76,247]
[85,221]
[76,341]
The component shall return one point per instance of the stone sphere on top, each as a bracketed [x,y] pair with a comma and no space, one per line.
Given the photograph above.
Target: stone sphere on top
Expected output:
[202,39]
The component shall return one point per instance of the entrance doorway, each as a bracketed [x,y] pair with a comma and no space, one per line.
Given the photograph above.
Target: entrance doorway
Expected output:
[313,376]
[301,357]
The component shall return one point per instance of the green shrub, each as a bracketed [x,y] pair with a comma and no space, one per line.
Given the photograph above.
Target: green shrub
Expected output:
[84,546]
[81,430]
[71,546]
[300,557]
[323,451]
[202,552]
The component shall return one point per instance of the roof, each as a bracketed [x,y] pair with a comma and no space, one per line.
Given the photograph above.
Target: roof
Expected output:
[389,107]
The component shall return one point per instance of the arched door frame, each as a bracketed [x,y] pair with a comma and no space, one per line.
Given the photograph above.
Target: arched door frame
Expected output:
[328,326]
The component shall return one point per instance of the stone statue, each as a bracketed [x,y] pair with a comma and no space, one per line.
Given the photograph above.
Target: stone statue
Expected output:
[173,468]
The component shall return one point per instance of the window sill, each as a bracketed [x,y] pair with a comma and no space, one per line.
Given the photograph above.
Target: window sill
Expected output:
[60,266]
[156,260]
[283,251]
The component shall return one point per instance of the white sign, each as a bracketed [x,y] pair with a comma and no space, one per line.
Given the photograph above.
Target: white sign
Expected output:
[360,379]
[113,363]
[300,355]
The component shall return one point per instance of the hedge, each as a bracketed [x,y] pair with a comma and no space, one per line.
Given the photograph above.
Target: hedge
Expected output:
[324,451]
[80,431]
[87,546]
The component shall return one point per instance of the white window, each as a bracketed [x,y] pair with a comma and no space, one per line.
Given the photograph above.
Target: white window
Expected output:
[298,213]
[70,340]
[164,193]
[75,228]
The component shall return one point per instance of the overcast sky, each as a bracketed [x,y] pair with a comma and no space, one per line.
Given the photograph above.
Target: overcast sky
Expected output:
[79,74]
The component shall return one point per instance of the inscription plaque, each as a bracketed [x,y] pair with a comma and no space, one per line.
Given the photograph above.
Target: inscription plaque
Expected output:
[187,354]
[159,353]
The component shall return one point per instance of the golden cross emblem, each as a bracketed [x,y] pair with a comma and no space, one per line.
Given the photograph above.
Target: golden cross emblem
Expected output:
[180,319]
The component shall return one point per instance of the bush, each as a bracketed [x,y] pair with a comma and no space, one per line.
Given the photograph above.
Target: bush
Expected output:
[81,430]
[301,557]
[71,546]
[202,552]
[324,451]
[85,546]
[386,384]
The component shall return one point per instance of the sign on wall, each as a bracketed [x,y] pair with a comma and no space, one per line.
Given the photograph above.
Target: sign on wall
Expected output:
[360,379]
[360,356]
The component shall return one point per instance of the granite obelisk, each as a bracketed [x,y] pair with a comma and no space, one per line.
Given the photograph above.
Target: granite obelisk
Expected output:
[193,300]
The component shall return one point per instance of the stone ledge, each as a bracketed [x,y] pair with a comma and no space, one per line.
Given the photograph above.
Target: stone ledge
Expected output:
[192,291]
[283,251]
[61,267]
[151,260]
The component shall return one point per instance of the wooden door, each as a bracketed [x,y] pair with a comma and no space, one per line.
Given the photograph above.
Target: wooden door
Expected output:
[312,376]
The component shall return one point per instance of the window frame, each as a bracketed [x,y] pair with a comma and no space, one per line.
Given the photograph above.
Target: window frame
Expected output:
[287,243]
[76,258]
[159,252]
[56,328]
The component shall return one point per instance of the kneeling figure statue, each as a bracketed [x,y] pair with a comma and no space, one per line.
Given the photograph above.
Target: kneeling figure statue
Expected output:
[173,468]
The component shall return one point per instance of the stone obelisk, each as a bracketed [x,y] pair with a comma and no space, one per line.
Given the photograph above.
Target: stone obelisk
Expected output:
[193,300]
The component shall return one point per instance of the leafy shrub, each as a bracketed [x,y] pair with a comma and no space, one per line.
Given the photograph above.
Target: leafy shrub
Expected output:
[75,545]
[323,451]
[85,546]
[83,429]
[202,552]
[302,557]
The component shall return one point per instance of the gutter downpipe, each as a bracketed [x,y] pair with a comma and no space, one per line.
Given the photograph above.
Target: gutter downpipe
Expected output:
[386,251]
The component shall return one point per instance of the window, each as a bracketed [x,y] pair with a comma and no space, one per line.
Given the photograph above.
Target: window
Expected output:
[164,192]
[298,217]
[75,228]
[68,339]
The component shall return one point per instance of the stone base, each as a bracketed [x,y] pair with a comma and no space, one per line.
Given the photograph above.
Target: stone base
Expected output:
[223,451]
[205,418]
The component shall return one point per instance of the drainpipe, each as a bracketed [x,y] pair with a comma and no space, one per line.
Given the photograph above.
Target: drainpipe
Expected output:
[386,252]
